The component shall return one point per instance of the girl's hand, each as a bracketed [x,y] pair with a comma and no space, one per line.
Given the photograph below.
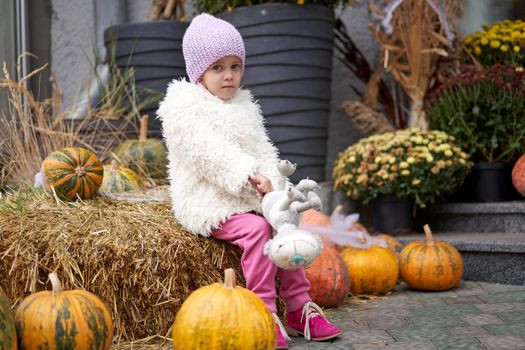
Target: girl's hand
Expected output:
[261,183]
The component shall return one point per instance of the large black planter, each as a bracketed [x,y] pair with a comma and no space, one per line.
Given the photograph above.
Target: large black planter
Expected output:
[487,182]
[288,69]
[154,51]
[391,214]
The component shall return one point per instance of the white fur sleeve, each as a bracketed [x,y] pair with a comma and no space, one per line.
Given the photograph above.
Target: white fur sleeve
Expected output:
[210,156]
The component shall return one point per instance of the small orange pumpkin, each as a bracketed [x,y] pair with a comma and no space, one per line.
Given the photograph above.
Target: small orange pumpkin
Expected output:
[393,244]
[312,217]
[74,319]
[328,276]
[518,175]
[223,316]
[372,270]
[430,265]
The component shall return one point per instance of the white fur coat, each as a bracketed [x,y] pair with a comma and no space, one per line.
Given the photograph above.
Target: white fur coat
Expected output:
[213,147]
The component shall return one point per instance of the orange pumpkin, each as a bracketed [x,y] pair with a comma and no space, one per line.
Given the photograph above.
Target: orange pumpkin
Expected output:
[372,270]
[518,175]
[223,316]
[393,244]
[430,265]
[328,276]
[312,217]
[74,319]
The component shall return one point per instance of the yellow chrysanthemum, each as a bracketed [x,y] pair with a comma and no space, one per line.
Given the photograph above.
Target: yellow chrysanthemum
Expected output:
[516,48]
[495,44]
[477,50]
[504,48]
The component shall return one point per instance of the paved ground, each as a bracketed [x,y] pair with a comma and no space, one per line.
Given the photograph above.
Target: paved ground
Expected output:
[472,316]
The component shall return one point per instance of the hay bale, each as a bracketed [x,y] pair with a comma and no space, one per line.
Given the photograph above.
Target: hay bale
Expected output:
[134,256]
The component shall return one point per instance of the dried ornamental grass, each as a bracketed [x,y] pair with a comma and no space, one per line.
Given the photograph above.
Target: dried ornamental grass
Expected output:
[420,33]
[134,256]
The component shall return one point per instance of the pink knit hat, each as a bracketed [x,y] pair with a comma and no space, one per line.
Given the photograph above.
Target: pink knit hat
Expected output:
[207,40]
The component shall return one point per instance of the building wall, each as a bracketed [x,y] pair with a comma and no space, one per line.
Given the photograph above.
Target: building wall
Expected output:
[72,45]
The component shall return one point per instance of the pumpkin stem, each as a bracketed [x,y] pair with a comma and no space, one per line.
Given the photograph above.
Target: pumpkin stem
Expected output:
[362,238]
[428,233]
[229,278]
[55,282]
[143,135]
[79,170]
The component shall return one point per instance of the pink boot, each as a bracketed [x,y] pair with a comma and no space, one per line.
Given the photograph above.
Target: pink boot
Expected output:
[282,336]
[310,322]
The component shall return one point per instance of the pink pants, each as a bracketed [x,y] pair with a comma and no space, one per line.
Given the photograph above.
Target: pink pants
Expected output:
[251,232]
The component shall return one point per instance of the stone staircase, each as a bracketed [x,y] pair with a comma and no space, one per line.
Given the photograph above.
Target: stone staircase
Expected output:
[490,237]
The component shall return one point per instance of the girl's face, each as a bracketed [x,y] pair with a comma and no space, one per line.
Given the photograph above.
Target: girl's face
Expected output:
[223,78]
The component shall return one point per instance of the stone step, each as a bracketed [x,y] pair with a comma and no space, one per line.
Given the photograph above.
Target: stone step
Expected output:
[497,257]
[507,217]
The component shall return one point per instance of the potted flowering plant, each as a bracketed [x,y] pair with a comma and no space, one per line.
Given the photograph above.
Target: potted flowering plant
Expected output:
[289,48]
[415,165]
[484,109]
[503,42]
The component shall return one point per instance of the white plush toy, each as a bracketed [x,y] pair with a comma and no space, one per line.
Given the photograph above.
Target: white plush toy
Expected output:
[291,248]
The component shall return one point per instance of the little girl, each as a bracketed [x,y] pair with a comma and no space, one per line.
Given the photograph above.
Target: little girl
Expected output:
[221,163]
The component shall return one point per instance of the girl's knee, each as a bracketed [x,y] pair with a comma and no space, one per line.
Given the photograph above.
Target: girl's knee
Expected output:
[260,228]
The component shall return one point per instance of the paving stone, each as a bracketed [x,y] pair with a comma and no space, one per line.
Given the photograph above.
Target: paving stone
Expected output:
[379,312]
[387,322]
[301,344]
[412,345]
[458,344]
[457,309]
[430,294]
[498,287]
[500,307]
[503,297]
[467,331]
[417,333]
[438,320]
[509,342]
[514,317]
[473,291]
[430,301]
[462,285]
[481,319]
[506,328]
[362,336]
[462,300]
[350,324]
